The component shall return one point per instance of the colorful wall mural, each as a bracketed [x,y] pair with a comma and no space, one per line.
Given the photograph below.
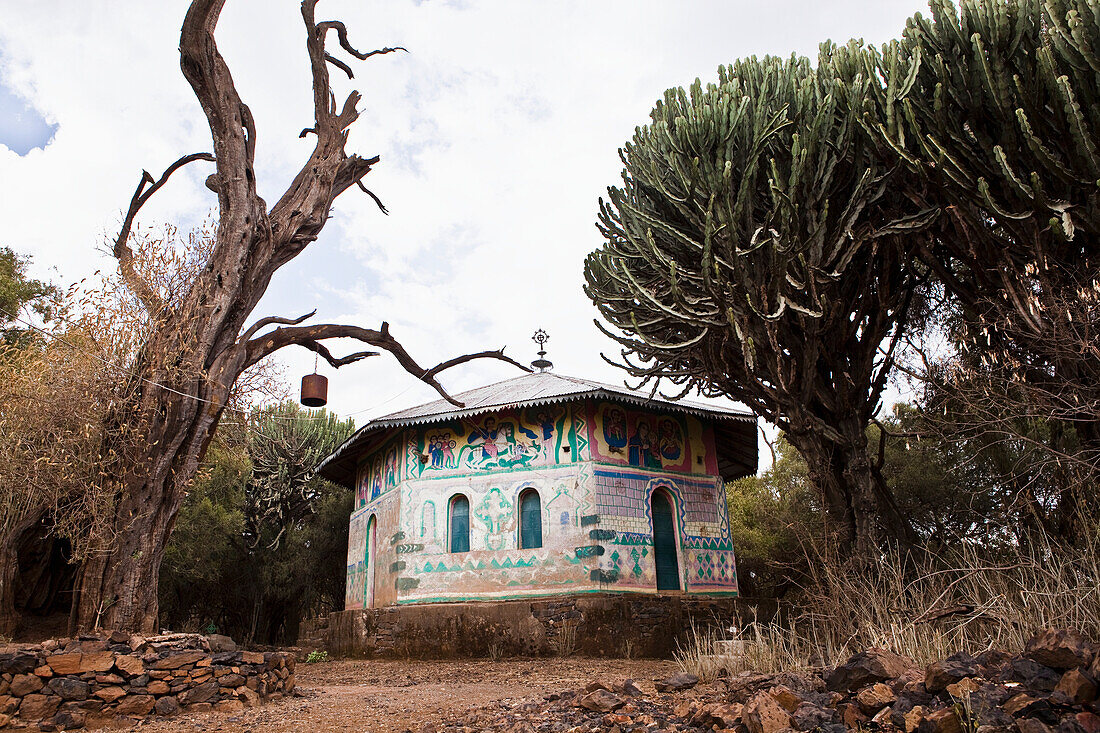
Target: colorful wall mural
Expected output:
[507,440]
[594,466]
[645,439]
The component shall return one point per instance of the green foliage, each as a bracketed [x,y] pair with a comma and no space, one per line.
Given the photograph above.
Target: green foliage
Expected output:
[259,542]
[758,249]
[772,517]
[317,656]
[18,292]
[285,444]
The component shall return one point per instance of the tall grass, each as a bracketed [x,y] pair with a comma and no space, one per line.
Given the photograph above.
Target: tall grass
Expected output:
[892,603]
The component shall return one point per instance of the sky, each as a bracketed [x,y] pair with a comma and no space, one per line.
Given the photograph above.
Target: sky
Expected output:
[498,133]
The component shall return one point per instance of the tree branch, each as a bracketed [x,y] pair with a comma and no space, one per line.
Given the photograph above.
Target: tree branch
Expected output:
[310,337]
[364,189]
[272,320]
[122,251]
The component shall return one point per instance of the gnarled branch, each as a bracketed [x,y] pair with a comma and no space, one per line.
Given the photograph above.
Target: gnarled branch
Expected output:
[310,337]
[122,251]
[273,320]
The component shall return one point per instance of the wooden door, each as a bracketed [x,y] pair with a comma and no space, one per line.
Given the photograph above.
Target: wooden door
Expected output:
[664,543]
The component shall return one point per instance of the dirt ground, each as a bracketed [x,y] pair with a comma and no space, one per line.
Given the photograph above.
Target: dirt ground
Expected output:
[383,696]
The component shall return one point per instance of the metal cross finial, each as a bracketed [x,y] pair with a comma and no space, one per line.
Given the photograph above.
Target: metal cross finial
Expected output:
[541,363]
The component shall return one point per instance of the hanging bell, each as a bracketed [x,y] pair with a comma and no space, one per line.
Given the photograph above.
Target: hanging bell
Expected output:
[314,390]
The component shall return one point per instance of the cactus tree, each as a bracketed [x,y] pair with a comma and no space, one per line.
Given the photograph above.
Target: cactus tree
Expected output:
[757,250]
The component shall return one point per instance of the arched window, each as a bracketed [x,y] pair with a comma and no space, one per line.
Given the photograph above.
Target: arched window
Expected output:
[530,520]
[460,523]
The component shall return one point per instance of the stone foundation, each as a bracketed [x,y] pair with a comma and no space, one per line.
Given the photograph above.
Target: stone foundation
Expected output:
[633,625]
[94,680]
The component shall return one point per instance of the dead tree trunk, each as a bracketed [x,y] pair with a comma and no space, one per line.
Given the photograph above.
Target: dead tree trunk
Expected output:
[175,416]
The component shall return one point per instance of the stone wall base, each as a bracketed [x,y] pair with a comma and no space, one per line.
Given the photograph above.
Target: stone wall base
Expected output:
[116,679]
[606,624]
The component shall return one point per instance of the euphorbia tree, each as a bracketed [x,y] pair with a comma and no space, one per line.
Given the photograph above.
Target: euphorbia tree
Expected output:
[757,250]
[992,109]
[201,342]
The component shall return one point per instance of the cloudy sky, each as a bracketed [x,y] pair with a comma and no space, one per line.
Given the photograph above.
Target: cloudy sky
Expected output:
[497,133]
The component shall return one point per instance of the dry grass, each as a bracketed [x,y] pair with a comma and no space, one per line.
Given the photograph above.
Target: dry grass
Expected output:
[889,605]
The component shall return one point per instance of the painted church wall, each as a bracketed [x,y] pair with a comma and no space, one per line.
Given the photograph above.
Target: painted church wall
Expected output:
[622,497]
[664,441]
[495,566]
[595,467]
[370,551]
[507,440]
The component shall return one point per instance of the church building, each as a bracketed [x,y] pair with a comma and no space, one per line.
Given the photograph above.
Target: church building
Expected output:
[542,485]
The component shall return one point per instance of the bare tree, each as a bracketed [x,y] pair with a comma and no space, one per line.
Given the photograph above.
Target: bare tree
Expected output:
[184,373]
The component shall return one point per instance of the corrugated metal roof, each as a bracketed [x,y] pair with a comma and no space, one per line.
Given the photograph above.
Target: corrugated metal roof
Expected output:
[526,390]
[534,389]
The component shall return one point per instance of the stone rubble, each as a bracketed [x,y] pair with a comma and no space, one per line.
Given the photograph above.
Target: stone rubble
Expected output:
[93,680]
[1051,687]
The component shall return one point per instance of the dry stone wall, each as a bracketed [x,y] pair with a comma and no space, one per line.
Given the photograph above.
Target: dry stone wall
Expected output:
[68,684]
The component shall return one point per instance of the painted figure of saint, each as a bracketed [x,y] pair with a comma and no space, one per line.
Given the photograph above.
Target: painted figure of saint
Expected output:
[391,467]
[644,450]
[484,439]
[544,434]
[614,429]
[447,447]
[671,441]
[435,450]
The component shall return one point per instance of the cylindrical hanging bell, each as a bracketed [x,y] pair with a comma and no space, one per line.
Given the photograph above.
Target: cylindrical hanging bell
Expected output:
[314,390]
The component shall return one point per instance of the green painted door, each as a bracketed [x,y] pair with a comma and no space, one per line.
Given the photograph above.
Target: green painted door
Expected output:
[664,543]
[530,518]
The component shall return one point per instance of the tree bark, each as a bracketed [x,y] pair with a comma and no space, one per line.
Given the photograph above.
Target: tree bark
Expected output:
[9,570]
[176,410]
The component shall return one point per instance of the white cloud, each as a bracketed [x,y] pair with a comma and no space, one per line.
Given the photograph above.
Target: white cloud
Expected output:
[498,132]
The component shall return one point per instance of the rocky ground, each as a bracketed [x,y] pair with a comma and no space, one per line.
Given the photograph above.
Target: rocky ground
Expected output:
[1050,686]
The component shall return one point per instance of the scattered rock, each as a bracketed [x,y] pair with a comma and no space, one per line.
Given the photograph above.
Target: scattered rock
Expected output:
[1060,649]
[873,665]
[763,714]
[601,701]
[677,682]
[786,698]
[940,721]
[1077,686]
[1089,722]
[939,675]
[964,687]
[876,697]
[1032,725]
